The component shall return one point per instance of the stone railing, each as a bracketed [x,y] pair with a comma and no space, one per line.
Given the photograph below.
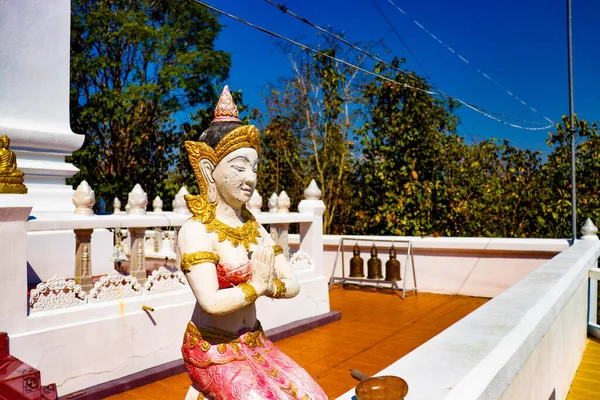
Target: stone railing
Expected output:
[136,248]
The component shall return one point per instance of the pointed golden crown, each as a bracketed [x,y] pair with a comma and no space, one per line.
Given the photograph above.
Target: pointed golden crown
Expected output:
[226,109]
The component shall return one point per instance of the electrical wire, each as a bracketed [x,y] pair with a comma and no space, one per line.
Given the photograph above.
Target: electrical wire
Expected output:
[305,47]
[460,57]
[286,10]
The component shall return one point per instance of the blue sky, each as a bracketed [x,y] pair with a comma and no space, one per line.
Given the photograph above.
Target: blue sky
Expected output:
[521,44]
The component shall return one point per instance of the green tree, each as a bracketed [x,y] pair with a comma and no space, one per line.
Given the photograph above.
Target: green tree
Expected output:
[139,69]
[404,134]
[553,210]
[309,126]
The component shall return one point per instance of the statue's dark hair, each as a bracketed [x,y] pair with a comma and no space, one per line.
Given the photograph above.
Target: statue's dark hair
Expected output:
[215,132]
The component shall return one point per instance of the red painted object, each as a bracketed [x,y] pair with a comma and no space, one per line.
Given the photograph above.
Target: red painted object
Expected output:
[19,380]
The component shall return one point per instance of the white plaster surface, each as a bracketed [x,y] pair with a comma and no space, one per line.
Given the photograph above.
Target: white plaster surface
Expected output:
[34,97]
[14,211]
[468,266]
[52,253]
[481,356]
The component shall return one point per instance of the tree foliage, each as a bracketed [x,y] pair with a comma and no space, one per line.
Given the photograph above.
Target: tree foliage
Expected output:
[412,174]
[309,125]
[139,69]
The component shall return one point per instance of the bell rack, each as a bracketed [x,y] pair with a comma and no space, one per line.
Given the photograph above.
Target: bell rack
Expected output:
[410,259]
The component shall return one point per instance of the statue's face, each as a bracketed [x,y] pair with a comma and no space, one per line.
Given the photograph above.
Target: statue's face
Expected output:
[235,176]
[4,143]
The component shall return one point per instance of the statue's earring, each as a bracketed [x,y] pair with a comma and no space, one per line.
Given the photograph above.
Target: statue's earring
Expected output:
[207,169]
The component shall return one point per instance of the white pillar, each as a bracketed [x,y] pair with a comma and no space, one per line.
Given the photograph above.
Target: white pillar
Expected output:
[34,97]
[14,212]
[311,235]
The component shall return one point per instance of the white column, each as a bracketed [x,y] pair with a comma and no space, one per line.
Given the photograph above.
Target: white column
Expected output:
[34,97]
[311,234]
[14,212]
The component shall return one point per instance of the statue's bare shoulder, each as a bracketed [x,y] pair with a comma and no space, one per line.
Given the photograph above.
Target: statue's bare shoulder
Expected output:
[193,237]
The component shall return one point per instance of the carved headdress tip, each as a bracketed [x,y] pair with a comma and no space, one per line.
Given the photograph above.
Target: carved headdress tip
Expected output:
[226,110]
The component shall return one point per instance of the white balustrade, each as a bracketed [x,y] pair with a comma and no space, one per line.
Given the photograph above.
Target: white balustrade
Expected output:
[144,248]
[283,203]
[272,203]
[589,231]
[255,203]
[84,199]
[179,205]
[137,200]
[157,205]
[117,206]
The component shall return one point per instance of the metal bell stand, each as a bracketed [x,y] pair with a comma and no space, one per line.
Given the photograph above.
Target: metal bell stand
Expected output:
[379,282]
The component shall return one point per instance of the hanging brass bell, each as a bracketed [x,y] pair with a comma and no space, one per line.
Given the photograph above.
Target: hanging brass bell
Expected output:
[374,265]
[392,267]
[357,264]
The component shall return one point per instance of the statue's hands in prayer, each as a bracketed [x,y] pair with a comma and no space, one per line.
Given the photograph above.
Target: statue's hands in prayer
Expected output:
[263,269]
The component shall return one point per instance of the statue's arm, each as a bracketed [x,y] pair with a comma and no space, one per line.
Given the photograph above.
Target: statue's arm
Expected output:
[195,244]
[283,271]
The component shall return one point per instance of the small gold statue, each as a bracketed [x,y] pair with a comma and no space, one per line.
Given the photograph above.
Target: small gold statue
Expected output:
[374,265]
[11,179]
[357,264]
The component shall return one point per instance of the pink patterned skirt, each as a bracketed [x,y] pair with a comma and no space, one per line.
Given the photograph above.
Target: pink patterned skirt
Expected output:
[224,366]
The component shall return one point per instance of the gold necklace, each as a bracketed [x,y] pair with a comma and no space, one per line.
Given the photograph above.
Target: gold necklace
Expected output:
[245,235]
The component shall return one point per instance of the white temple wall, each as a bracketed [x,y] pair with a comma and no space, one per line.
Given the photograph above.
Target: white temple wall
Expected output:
[467,266]
[34,97]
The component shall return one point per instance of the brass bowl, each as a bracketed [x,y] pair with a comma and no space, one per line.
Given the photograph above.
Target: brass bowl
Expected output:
[382,388]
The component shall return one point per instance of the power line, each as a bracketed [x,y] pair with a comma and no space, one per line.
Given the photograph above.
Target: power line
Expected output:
[304,47]
[427,76]
[286,10]
[463,59]
[400,38]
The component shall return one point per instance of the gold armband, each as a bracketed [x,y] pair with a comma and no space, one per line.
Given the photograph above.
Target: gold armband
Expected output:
[189,260]
[280,289]
[277,250]
[250,294]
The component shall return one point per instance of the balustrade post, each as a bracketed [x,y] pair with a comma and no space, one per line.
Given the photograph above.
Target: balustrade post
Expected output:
[311,234]
[83,258]
[137,254]
[14,211]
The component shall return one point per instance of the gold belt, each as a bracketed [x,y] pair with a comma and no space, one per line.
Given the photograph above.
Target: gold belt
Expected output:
[209,336]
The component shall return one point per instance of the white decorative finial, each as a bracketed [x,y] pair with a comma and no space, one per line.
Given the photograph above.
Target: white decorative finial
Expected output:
[180,206]
[589,230]
[138,200]
[127,208]
[255,203]
[272,203]
[283,203]
[117,206]
[312,192]
[84,199]
[157,205]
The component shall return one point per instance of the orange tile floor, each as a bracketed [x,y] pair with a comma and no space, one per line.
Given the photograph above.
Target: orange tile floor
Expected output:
[376,329]
[586,384]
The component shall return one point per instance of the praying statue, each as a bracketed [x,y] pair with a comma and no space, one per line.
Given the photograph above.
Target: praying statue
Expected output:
[11,179]
[230,260]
